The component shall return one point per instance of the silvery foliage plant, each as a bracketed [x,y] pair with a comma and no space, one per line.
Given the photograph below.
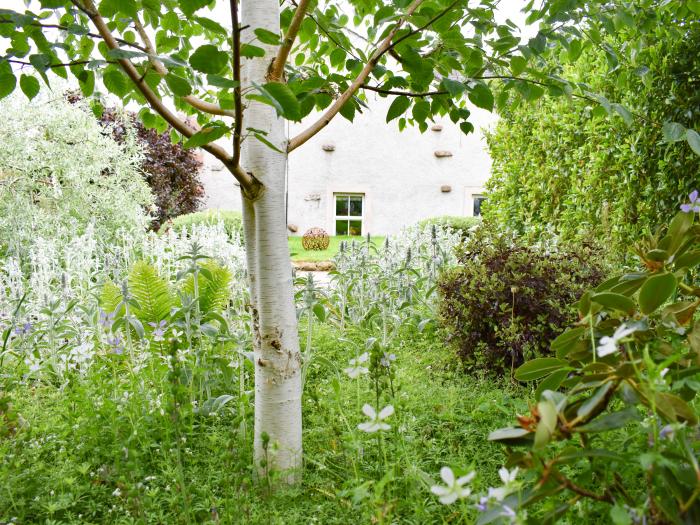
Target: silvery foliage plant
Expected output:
[50,318]
[61,171]
[392,284]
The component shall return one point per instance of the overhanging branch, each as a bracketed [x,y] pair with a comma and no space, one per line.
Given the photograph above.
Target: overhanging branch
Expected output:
[335,108]
[277,68]
[195,102]
[249,184]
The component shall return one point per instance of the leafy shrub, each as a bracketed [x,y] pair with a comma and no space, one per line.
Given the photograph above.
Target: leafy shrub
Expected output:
[171,171]
[462,225]
[61,175]
[505,300]
[562,165]
[232,221]
[616,422]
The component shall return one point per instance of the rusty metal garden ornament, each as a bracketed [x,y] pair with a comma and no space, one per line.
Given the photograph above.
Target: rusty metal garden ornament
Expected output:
[315,239]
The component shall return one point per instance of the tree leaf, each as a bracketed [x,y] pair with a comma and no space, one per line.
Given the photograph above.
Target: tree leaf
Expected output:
[110,8]
[453,87]
[267,37]
[178,85]
[190,6]
[517,65]
[285,99]
[125,53]
[539,368]
[8,82]
[208,59]
[481,97]
[211,25]
[249,51]
[205,136]
[610,421]
[398,107]
[30,86]
[116,82]
[656,291]
[222,82]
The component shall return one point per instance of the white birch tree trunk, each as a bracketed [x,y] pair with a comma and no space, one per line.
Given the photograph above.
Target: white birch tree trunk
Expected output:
[276,341]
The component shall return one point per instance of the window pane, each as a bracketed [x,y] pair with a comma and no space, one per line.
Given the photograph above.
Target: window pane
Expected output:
[477,205]
[356,206]
[355,227]
[341,227]
[341,206]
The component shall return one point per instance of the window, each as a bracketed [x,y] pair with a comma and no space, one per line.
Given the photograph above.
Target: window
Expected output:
[477,199]
[348,214]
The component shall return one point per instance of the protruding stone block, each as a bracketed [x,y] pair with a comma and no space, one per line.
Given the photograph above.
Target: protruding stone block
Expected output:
[441,154]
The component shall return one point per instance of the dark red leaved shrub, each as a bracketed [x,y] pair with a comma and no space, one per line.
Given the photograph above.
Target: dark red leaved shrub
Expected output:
[171,171]
[506,301]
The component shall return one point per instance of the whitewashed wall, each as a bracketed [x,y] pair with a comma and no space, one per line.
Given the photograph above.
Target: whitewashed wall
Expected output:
[397,172]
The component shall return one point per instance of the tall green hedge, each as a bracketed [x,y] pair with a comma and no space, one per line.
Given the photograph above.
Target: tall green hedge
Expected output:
[563,165]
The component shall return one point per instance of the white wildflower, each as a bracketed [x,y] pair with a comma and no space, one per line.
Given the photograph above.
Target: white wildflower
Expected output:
[453,489]
[508,479]
[376,421]
[356,369]
[608,344]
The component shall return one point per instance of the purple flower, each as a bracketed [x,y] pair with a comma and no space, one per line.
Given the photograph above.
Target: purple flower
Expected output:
[668,432]
[387,359]
[159,330]
[483,504]
[106,319]
[693,205]
[24,329]
[117,345]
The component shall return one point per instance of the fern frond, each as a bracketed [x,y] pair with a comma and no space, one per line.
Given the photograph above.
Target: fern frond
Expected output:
[110,297]
[214,293]
[151,292]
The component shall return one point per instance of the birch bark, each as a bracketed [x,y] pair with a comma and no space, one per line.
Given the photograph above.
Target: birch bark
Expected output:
[277,354]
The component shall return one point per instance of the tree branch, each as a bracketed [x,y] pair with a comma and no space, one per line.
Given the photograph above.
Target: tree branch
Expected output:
[195,102]
[356,84]
[277,68]
[403,93]
[53,66]
[91,35]
[237,91]
[426,25]
[249,184]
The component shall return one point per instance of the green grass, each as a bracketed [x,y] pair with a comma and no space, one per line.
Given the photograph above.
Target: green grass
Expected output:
[82,458]
[300,254]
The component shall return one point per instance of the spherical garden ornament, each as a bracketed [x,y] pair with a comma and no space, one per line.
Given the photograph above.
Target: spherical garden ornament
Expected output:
[315,239]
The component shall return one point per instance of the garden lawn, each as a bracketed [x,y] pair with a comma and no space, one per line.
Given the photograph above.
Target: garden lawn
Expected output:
[81,459]
[298,252]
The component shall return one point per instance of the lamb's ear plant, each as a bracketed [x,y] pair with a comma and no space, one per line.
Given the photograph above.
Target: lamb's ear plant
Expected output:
[615,417]
[312,306]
